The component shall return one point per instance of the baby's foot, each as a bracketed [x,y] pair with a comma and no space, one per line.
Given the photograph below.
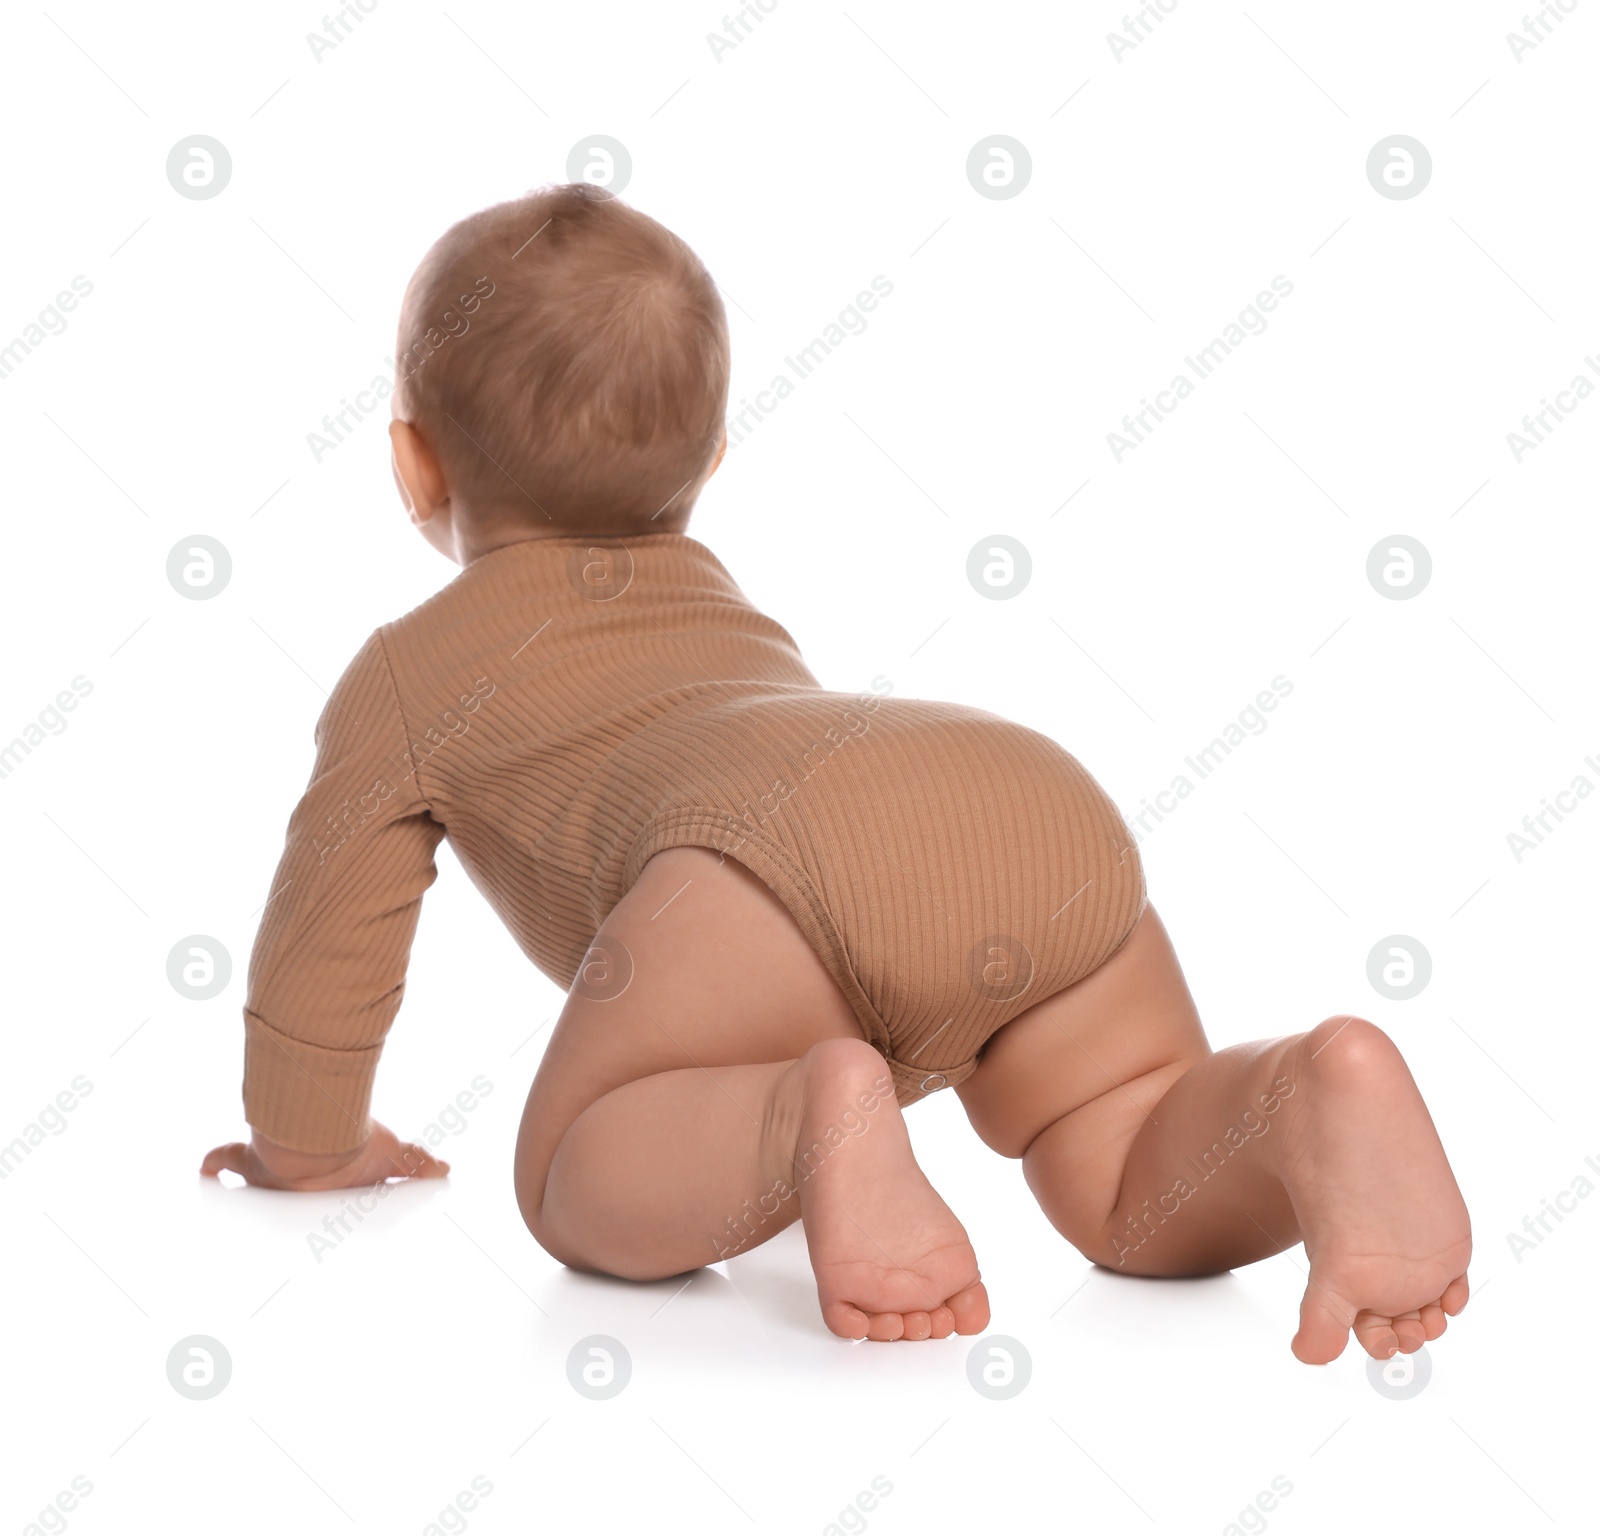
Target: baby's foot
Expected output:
[1386,1231]
[891,1259]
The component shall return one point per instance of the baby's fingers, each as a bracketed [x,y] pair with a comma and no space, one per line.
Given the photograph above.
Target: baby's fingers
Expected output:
[414,1162]
[384,1156]
[234,1158]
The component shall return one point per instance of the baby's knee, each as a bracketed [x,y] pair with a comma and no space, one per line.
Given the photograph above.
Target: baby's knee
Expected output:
[1346,1047]
[530,1202]
[850,1065]
[530,1183]
[599,1255]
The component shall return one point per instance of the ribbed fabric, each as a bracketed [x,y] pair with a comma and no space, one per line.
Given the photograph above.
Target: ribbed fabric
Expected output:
[563,710]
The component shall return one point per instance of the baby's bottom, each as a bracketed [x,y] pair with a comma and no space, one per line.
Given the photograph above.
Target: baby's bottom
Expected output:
[726,1089]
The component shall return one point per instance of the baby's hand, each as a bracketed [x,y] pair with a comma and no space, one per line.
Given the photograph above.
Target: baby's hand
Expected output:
[271,1166]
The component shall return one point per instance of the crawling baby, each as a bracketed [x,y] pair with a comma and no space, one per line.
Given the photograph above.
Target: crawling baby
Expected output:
[782,914]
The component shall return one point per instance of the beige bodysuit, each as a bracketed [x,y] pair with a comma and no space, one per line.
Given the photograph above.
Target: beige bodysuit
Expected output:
[566,708]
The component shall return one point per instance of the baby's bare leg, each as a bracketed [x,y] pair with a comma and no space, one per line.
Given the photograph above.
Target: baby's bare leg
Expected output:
[723,1093]
[1156,1156]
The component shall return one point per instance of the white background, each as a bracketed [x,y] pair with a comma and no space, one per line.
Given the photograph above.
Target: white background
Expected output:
[1168,188]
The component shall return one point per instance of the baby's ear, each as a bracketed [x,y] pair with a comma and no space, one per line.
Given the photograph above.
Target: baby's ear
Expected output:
[417,472]
[399,479]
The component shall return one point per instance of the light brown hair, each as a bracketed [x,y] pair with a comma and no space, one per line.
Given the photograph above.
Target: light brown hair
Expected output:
[566,357]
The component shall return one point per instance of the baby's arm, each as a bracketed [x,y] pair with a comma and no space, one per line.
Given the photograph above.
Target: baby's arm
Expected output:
[327,972]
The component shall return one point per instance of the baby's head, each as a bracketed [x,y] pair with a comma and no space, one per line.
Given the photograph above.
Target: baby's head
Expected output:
[562,369]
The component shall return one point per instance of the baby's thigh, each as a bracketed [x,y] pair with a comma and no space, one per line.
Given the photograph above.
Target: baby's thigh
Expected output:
[699,965]
[1101,1047]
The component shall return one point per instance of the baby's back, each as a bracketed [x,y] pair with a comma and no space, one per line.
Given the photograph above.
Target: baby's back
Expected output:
[560,694]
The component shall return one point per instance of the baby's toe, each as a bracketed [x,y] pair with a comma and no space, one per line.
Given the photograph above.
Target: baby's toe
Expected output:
[943,1322]
[969,1308]
[1455,1295]
[848,1321]
[1376,1335]
[1323,1331]
[1434,1321]
[884,1327]
[1410,1330]
[918,1325]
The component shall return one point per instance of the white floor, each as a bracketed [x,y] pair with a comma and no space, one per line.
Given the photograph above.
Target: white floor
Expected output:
[374,1380]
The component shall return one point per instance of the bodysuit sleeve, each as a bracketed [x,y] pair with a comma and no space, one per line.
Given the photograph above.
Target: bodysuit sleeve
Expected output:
[328,968]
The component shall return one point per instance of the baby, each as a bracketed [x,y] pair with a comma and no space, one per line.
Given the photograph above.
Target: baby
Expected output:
[782,914]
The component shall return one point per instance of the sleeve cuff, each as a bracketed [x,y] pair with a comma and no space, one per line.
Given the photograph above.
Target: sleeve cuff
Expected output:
[304,1096]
